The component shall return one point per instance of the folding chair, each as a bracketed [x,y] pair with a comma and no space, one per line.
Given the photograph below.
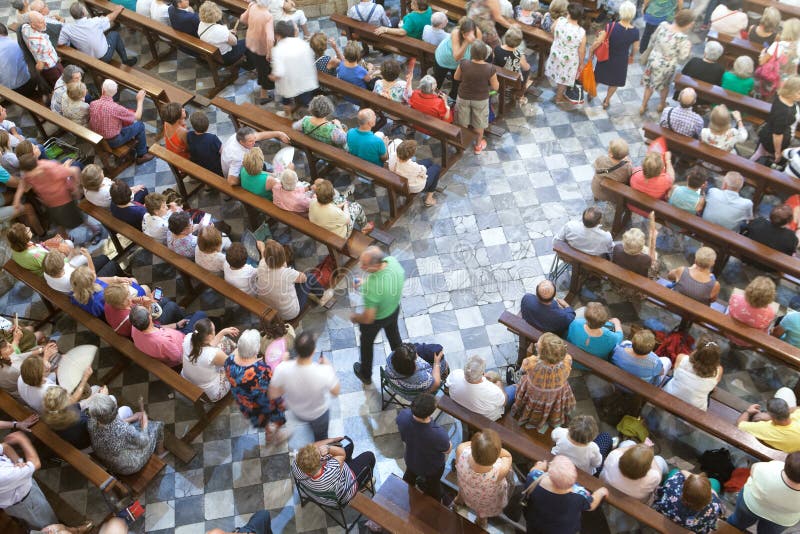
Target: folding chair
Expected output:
[399,396]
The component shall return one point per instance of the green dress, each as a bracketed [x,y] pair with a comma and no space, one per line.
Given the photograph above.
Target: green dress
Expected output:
[255,183]
[732,82]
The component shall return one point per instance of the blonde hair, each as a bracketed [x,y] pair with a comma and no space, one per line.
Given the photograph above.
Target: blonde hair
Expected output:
[84,284]
[705,257]
[308,459]
[116,295]
[58,414]
[643,342]
[652,165]
[618,148]
[53,263]
[209,240]
[790,87]
[513,37]
[32,371]
[720,119]
[760,292]
[551,348]
[633,241]
[76,91]
[790,31]
[92,177]
[770,19]
[596,315]
[210,13]
[253,161]
[558,9]
[627,11]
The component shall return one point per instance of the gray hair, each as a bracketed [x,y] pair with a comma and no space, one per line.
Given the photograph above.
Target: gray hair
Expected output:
[529,5]
[438,19]
[102,408]
[70,71]
[321,106]
[743,67]
[713,51]
[627,11]
[77,11]
[733,180]
[474,369]
[110,87]
[249,343]
[139,317]
[427,84]
[243,132]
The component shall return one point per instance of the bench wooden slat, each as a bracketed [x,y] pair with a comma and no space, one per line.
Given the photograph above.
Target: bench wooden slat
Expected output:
[380,514]
[725,430]
[735,46]
[688,308]
[787,10]
[747,105]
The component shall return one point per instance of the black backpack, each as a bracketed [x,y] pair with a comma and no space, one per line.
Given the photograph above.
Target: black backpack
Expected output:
[717,463]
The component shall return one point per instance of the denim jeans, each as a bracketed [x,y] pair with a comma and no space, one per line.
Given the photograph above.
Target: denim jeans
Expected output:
[115,44]
[230,57]
[259,523]
[135,130]
[742,518]
[358,463]
[511,394]
[310,286]
[33,509]
[172,313]
[319,426]
[433,172]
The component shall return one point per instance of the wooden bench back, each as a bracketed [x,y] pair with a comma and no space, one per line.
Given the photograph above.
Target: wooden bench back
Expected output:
[735,46]
[682,305]
[181,263]
[747,105]
[788,11]
[656,396]
[124,346]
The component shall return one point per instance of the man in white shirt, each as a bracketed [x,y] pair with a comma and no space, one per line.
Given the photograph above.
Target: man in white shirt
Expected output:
[293,68]
[470,388]
[233,150]
[770,497]
[586,235]
[86,35]
[20,496]
[305,384]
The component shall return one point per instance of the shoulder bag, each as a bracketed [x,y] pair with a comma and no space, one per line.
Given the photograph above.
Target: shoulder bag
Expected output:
[602,51]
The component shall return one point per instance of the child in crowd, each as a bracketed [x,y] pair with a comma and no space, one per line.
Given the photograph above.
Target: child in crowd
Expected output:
[237,271]
[528,13]
[97,188]
[204,147]
[74,106]
[210,245]
[690,197]
[181,238]
[295,16]
[319,44]
[434,33]
[509,56]
[351,71]
[123,205]
[637,357]
[156,221]
[582,443]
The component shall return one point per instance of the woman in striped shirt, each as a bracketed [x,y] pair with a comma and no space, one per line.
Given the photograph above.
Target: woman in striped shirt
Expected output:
[330,473]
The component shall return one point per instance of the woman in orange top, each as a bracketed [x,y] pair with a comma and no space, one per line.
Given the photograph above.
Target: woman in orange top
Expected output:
[175,129]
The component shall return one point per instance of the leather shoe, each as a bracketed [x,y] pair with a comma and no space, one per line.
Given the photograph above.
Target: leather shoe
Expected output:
[357,370]
[131,61]
[144,159]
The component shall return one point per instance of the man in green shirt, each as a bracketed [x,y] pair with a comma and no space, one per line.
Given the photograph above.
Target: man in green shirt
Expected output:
[413,23]
[382,290]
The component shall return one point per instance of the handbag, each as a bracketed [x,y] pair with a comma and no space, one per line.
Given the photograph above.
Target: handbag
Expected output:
[633,428]
[519,499]
[588,81]
[602,51]
[768,75]
[575,93]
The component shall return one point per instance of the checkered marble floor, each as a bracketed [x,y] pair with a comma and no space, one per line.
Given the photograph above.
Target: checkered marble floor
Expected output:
[468,259]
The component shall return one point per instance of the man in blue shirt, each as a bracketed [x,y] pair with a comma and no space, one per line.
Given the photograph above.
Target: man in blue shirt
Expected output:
[546,312]
[13,69]
[427,445]
[637,357]
[364,143]
[183,18]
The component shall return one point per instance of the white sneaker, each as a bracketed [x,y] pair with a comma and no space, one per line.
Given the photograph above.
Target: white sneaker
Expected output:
[326,297]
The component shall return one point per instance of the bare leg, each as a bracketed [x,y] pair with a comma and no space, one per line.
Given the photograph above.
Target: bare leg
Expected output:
[560,94]
[760,151]
[663,103]
[648,92]
[609,94]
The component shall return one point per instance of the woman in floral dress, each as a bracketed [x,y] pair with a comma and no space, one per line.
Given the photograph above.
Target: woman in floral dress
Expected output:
[249,377]
[482,468]
[689,501]
[544,395]
[567,51]
[670,46]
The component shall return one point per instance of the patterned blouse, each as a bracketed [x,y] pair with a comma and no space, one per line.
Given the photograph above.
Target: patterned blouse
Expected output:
[124,448]
[669,502]
[250,385]
[185,246]
[725,141]
[327,132]
[419,382]
[397,90]
[75,110]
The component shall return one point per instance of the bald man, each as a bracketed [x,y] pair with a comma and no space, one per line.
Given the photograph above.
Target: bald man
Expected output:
[365,144]
[382,290]
[681,119]
[545,311]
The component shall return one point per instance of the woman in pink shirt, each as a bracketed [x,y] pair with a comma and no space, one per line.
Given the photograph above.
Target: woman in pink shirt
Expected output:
[654,178]
[753,307]
[287,195]
[54,185]
[258,42]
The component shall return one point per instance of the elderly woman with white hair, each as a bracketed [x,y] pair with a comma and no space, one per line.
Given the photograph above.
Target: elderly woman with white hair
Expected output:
[623,43]
[707,68]
[319,126]
[555,502]
[249,376]
[475,389]
[428,101]
[740,78]
[631,253]
[123,445]
[288,194]
[72,73]
[211,31]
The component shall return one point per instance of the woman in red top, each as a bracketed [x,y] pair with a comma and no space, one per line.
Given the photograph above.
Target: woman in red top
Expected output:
[175,129]
[654,178]
[426,100]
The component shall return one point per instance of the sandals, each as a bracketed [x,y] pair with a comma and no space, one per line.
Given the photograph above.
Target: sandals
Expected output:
[606,103]
[480,146]
[430,203]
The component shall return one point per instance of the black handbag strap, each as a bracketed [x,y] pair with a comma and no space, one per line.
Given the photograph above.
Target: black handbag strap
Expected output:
[613,168]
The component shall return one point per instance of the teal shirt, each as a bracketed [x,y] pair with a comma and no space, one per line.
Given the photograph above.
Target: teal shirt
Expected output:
[444,54]
[601,346]
[366,145]
[255,183]
[684,198]
[382,290]
[415,22]
[660,10]
[127,4]
[732,82]
[791,326]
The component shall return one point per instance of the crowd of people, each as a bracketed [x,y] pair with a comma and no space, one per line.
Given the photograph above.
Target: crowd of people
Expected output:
[272,369]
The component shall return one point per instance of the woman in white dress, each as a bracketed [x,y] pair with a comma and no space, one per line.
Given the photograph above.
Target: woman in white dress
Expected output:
[203,358]
[567,52]
[696,375]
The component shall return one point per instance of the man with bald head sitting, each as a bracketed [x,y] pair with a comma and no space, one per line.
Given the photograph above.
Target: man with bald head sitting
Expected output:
[545,311]
[682,119]
[364,143]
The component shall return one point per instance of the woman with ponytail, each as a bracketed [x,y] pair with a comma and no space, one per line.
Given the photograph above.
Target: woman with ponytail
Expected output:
[65,418]
[203,356]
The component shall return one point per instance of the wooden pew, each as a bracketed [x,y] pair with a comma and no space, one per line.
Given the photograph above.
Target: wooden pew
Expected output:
[709,421]
[521,444]
[735,46]
[410,47]
[762,178]
[725,242]
[691,310]
[115,160]
[82,463]
[787,11]
[156,32]
[134,79]
[170,377]
[260,119]
[236,7]
[351,247]
[447,134]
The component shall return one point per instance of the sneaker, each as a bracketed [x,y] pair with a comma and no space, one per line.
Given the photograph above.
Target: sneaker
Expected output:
[131,61]
[357,370]
[326,297]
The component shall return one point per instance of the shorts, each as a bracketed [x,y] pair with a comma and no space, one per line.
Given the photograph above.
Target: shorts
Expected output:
[473,113]
[67,215]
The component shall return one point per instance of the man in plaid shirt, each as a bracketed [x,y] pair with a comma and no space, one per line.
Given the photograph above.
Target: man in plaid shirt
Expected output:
[682,120]
[35,36]
[118,124]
